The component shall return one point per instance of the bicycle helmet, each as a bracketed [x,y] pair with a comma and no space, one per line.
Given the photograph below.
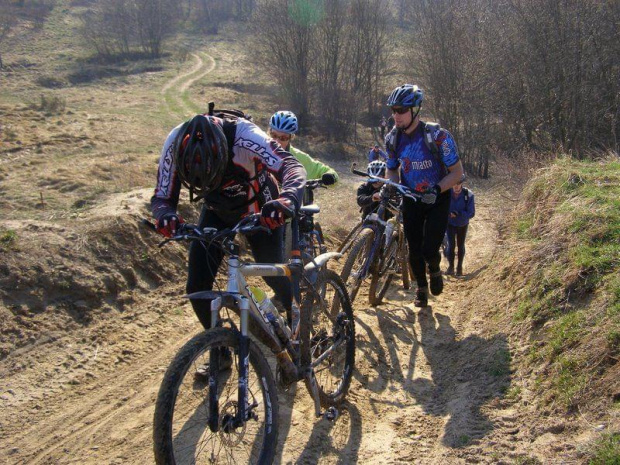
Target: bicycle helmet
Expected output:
[406,96]
[284,121]
[376,168]
[201,155]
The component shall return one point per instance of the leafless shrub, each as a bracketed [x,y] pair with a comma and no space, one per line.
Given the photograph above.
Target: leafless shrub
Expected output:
[328,56]
[504,80]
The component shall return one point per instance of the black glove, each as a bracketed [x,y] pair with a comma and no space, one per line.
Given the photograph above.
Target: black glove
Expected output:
[328,179]
[168,224]
[275,212]
[429,196]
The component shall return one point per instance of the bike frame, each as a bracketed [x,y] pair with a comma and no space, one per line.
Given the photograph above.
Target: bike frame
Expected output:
[240,299]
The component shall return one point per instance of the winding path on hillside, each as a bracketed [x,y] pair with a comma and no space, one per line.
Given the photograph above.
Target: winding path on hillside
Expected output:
[175,90]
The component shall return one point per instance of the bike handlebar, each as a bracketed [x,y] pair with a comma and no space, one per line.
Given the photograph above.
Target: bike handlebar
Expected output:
[399,187]
[189,232]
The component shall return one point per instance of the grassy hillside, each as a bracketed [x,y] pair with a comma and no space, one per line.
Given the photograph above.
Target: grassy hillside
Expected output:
[559,281]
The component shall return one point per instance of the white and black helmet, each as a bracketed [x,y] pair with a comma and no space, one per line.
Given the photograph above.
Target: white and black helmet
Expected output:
[376,168]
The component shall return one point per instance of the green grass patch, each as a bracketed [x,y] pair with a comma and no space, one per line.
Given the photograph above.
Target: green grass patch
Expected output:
[606,450]
[8,239]
[500,365]
[571,379]
[566,332]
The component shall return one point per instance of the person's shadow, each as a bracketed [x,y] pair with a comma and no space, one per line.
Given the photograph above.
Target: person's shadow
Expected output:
[465,375]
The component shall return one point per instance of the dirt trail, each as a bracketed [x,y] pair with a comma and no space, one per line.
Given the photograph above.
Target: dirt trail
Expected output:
[423,387]
[174,91]
[427,387]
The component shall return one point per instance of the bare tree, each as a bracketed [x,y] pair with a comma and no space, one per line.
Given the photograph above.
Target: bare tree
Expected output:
[285,31]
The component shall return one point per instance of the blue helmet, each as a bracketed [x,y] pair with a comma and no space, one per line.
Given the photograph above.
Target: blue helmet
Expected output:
[406,96]
[284,121]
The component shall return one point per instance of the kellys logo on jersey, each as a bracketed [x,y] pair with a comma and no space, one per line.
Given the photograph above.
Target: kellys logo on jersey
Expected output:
[165,177]
[255,147]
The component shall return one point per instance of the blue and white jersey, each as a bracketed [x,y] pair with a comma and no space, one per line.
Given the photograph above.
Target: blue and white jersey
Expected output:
[419,169]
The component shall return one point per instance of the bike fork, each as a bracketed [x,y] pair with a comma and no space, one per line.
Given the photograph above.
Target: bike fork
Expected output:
[244,362]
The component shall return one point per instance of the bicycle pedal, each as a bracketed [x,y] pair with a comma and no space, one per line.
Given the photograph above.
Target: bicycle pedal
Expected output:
[331,414]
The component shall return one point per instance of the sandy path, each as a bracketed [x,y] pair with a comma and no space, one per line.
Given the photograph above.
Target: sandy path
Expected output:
[424,389]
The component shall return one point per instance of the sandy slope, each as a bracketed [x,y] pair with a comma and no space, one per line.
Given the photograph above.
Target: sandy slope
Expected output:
[423,389]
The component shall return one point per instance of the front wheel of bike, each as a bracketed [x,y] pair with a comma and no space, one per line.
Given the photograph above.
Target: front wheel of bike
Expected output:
[327,338]
[383,274]
[353,272]
[192,424]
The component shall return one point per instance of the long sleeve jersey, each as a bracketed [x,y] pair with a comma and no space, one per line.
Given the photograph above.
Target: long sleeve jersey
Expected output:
[314,168]
[248,182]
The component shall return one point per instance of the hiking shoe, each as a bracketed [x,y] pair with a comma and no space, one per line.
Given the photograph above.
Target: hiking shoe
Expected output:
[421,297]
[459,271]
[202,371]
[450,270]
[436,283]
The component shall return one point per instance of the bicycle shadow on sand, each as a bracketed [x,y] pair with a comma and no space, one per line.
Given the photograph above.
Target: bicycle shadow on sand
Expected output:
[465,375]
[339,440]
[383,355]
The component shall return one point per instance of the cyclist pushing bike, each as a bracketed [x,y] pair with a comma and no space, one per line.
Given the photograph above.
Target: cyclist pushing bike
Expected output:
[228,163]
[429,164]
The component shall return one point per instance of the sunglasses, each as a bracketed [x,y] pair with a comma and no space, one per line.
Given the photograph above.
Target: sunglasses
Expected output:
[284,138]
[403,110]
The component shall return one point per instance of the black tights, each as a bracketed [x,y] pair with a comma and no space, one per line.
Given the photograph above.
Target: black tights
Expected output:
[425,226]
[203,265]
[458,232]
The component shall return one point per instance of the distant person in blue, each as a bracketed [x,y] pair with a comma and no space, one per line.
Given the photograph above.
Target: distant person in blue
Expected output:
[423,157]
[462,209]
[376,154]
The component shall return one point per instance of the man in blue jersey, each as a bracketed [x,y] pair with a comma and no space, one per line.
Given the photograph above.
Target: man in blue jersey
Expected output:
[429,170]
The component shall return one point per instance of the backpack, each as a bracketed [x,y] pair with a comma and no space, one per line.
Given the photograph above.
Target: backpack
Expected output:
[235,173]
[230,118]
[466,193]
[429,139]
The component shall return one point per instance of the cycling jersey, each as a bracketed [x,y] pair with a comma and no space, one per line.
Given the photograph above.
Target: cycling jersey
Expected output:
[248,182]
[376,155]
[314,168]
[419,168]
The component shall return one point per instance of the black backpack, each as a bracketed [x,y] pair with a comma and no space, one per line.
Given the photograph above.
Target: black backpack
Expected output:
[230,118]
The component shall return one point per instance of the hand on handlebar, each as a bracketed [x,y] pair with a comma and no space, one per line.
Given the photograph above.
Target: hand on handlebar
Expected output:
[328,179]
[274,213]
[168,224]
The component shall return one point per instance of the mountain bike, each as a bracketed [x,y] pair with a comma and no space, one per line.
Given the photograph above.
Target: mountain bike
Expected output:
[231,415]
[380,248]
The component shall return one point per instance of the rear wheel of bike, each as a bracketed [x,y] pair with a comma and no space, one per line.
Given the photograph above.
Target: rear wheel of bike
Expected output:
[383,274]
[354,265]
[327,337]
[194,425]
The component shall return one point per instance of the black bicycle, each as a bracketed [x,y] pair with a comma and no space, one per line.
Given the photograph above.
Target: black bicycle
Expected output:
[311,240]
[379,248]
[231,415]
